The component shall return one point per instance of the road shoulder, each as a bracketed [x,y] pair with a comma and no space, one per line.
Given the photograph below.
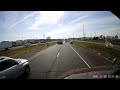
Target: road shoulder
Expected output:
[92,58]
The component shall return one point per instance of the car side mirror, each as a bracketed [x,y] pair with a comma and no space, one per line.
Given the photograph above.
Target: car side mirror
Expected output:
[17,63]
[114,61]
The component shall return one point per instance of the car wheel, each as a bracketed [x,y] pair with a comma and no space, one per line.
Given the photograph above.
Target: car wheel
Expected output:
[27,70]
[25,74]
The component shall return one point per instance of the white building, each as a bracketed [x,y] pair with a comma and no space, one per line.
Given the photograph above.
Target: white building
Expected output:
[30,41]
[20,42]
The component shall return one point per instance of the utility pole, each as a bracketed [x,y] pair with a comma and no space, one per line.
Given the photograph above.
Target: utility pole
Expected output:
[111,34]
[91,35]
[40,37]
[83,32]
[22,37]
[117,33]
[73,35]
[95,34]
[43,36]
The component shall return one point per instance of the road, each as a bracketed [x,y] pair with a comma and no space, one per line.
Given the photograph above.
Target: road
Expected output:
[58,59]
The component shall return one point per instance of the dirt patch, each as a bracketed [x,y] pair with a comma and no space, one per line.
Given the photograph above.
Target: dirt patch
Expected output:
[32,53]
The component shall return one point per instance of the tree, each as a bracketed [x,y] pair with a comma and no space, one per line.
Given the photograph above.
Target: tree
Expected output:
[116,37]
[101,37]
[95,38]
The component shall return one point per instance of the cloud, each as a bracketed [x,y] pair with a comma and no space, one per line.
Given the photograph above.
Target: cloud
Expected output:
[76,26]
[70,27]
[46,17]
[9,18]
[22,20]
[59,24]
[103,20]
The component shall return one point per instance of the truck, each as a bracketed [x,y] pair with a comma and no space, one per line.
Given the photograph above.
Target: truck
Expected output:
[5,45]
[59,41]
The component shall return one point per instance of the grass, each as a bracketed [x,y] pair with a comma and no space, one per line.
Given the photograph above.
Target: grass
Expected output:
[19,51]
[114,42]
[101,41]
[106,52]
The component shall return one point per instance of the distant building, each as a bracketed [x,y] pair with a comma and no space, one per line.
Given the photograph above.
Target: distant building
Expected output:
[29,41]
[19,42]
[32,41]
[86,38]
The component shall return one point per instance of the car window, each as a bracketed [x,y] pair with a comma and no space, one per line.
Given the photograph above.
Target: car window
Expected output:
[1,58]
[7,64]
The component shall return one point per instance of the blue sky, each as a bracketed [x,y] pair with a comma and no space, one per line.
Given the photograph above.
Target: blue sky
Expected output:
[17,25]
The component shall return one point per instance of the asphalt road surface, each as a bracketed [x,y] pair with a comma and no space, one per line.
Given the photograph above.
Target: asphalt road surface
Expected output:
[60,58]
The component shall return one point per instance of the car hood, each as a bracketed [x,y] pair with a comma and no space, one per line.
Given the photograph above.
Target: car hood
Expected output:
[89,73]
[22,60]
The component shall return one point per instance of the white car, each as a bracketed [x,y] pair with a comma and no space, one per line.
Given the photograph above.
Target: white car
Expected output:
[11,68]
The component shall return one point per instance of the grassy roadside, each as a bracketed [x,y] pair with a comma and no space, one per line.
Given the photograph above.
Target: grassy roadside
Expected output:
[100,41]
[19,51]
[114,42]
[102,50]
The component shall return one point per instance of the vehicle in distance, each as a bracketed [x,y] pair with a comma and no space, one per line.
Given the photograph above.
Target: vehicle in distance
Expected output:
[27,45]
[11,68]
[5,45]
[71,42]
[59,41]
[43,41]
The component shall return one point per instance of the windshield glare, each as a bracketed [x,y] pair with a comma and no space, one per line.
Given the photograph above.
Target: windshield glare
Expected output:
[60,43]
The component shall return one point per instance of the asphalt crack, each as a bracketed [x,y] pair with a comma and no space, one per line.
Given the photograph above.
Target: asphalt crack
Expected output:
[50,70]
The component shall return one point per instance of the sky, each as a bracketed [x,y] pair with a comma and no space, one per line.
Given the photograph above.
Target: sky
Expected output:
[20,25]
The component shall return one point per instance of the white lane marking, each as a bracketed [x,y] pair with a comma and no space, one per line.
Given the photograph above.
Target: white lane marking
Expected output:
[80,57]
[39,53]
[57,54]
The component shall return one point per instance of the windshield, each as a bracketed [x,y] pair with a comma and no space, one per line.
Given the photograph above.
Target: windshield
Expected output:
[56,42]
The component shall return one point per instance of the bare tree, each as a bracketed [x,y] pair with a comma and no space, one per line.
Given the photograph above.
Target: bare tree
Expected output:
[116,37]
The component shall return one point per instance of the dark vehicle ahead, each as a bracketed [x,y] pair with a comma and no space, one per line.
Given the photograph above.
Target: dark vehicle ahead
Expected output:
[59,42]
[11,68]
